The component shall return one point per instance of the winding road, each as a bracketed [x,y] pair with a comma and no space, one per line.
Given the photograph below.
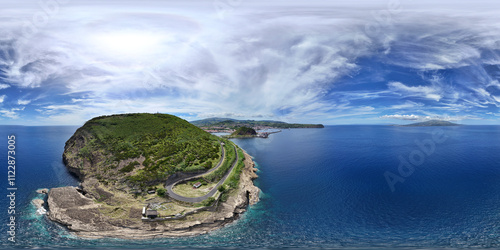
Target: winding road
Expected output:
[172,194]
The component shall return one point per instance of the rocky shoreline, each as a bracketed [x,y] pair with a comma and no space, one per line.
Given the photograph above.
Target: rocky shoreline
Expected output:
[83,217]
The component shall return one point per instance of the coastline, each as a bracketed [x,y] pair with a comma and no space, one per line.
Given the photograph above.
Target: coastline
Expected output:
[82,215]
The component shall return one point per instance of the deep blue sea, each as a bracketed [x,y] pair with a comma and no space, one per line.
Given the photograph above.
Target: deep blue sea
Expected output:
[321,188]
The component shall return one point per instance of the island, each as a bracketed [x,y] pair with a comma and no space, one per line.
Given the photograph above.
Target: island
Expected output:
[151,175]
[243,132]
[227,125]
[431,123]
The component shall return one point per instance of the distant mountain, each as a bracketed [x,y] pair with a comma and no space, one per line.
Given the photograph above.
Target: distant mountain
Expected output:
[232,123]
[431,123]
[210,121]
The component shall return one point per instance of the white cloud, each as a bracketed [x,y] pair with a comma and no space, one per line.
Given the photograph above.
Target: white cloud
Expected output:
[2,98]
[18,109]
[4,86]
[263,62]
[254,70]
[23,102]
[428,92]
[407,105]
[403,117]
[413,117]
[497,98]
[9,113]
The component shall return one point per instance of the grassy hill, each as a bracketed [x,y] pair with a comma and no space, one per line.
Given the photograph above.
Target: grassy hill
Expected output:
[140,149]
[244,131]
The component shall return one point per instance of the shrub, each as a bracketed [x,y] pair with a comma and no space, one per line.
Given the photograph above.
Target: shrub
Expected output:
[129,167]
[208,202]
[161,192]
[208,165]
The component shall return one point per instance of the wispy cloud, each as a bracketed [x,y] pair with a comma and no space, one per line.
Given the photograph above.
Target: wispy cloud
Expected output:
[413,117]
[407,105]
[429,92]
[403,117]
[280,62]
[23,102]
[12,114]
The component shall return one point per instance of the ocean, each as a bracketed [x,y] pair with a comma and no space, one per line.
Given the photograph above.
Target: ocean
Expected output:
[337,187]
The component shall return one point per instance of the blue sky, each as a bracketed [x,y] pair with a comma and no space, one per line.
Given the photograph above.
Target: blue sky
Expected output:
[364,62]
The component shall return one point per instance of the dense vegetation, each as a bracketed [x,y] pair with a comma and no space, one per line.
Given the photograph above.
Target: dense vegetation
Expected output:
[244,131]
[226,165]
[158,145]
[233,180]
[231,123]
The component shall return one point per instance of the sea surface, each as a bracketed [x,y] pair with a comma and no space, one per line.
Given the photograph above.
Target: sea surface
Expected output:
[337,187]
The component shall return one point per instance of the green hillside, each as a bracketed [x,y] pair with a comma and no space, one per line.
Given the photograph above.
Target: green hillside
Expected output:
[244,131]
[141,149]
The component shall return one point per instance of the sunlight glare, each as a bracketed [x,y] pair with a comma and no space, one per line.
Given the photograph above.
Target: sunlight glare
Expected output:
[127,44]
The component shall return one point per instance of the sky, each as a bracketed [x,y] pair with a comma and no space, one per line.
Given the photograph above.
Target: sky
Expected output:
[63,62]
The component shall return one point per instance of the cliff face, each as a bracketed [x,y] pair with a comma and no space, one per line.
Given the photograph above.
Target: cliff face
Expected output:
[86,218]
[72,148]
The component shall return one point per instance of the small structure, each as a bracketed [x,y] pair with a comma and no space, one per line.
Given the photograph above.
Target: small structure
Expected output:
[197,185]
[152,191]
[151,214]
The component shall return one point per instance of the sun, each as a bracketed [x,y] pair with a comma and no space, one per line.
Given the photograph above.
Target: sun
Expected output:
[127,43]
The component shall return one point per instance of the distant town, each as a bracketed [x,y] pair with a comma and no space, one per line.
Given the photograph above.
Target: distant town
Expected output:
[263,128]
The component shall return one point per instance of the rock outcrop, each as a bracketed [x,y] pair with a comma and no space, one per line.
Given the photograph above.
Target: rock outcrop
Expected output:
[38,203]
[42,191]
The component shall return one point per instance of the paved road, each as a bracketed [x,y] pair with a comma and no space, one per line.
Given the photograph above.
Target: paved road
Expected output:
[172,194]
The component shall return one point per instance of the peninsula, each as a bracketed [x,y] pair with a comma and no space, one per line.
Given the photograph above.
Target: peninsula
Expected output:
[151,175]
[243,132]
[227,125]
